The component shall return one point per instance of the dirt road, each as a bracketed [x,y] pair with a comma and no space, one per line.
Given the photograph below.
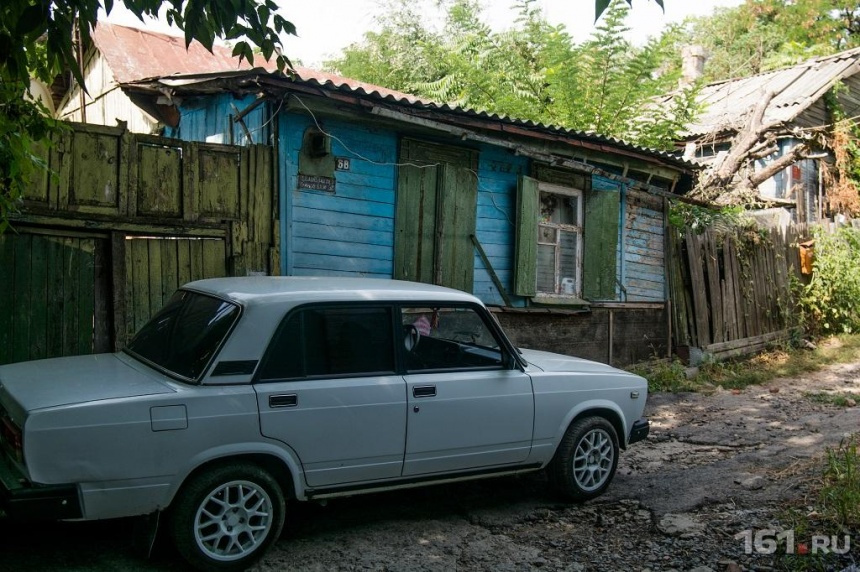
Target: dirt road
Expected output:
[715,466]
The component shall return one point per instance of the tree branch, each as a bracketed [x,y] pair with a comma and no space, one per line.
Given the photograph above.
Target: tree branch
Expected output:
[794,155]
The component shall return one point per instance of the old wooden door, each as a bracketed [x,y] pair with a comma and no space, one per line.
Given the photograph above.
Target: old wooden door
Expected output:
[157,266]
[437,197]
[53,295]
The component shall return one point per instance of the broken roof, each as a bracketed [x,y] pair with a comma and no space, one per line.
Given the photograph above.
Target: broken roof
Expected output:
[145,61]
[727,103]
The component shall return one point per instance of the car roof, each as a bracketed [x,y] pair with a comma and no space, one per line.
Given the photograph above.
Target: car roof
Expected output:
[297,289]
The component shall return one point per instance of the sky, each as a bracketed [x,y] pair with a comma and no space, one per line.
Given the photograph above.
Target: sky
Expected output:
[326,26]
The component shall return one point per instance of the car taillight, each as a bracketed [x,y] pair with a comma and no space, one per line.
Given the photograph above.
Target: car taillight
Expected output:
[11,439]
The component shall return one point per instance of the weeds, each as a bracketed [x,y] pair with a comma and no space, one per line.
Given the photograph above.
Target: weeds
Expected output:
[827,398]
[665,376]
[831,508]
[738,374]
[840,495]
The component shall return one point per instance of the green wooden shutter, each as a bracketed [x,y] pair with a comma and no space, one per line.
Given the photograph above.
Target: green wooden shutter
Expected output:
[415,224]
[528,201]
[435,215]
[455,253]
[600,244]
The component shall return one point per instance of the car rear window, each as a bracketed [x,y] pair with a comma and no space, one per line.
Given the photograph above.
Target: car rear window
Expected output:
[184,336]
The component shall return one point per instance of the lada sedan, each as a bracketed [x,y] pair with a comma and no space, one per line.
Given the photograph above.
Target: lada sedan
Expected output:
[245,394]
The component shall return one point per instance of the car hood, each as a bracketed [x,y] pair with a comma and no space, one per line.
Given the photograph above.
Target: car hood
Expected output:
[46,383]
[548,361]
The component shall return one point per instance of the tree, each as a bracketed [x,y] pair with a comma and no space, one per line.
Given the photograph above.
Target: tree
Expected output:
[760,35]
[38,38]
[532,71]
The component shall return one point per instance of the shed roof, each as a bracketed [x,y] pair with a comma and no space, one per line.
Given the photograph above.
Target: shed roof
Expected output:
[727,103]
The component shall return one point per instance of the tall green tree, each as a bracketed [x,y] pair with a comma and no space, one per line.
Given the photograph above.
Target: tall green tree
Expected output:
[760,35]
[533,70]
[38,39]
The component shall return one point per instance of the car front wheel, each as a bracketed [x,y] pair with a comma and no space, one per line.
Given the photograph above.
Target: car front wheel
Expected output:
[585,461]
[227,517]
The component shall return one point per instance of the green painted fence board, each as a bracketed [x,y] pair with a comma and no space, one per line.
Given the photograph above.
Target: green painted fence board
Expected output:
[39,298]
[21,308]
[528,201]
[7,302]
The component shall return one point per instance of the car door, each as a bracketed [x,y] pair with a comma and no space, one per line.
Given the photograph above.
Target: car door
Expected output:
[328,389]
[467,408]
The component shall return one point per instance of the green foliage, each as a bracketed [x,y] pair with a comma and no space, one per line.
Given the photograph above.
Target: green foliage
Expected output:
[777,362]
[761,35]
[840,494]
[533,71]
[828,303]
[664,376]
[685,216]
[37,40]
[828,398]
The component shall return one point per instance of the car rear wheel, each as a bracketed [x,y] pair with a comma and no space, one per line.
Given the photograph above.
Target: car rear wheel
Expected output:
[585,461]
[227,517]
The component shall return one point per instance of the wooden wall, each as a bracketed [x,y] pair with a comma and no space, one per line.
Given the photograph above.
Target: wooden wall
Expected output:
[128,218]
[348,232]
[644,274]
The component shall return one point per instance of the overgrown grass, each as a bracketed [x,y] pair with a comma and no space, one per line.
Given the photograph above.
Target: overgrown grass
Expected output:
[840,494]
[737,374]
[832,508]
[828,398]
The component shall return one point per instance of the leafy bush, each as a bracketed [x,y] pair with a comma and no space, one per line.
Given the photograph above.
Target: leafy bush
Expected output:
[828,304]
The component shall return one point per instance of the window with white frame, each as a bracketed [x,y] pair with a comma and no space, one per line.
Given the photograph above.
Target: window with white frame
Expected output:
[559,240]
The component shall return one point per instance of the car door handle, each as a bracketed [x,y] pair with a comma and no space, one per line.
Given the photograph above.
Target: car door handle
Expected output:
[289,400]
[424,391]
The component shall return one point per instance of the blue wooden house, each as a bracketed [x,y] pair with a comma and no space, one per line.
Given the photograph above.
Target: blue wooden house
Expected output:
[561,232]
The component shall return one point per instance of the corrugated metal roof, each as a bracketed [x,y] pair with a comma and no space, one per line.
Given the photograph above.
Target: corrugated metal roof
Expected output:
[140,57]
[728,103]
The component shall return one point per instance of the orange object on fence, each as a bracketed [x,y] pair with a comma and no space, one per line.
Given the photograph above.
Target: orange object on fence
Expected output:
[807,256]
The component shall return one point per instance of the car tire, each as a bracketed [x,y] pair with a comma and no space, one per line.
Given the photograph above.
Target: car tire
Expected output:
[226,518]
[585,460]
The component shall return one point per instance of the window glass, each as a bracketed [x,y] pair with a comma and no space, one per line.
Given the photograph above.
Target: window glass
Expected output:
[559,237]
[183,337]
[448,338]
[331,342]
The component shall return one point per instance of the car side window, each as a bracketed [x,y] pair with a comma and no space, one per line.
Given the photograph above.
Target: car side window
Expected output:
[331,341]
[445,338]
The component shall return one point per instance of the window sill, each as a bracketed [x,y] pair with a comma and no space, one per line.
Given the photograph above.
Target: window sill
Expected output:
[560,300]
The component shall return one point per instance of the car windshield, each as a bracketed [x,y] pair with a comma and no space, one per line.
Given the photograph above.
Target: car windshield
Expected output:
[183,337]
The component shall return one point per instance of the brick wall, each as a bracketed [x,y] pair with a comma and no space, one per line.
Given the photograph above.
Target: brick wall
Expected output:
[638,334]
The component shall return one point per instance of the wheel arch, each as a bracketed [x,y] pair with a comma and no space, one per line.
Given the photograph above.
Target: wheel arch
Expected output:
[606,410]
[285,470]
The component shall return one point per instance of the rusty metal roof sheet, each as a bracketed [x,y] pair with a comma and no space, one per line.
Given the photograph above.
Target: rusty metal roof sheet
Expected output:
[728,103]
[149,60]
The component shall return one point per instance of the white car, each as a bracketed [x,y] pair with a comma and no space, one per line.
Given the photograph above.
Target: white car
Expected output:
[244,393]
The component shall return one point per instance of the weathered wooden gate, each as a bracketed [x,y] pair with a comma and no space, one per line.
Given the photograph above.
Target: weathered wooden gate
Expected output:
[731,290]
[124,220]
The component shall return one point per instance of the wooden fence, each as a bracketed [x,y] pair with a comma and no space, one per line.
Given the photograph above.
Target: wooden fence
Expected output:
[731,290]
[123,221]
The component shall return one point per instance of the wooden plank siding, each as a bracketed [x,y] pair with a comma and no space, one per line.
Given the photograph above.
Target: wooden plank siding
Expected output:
[349,232]
[48,301]
[644,275]
[127,219]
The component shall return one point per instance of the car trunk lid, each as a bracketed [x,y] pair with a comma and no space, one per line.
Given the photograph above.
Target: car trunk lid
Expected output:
[40,384]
